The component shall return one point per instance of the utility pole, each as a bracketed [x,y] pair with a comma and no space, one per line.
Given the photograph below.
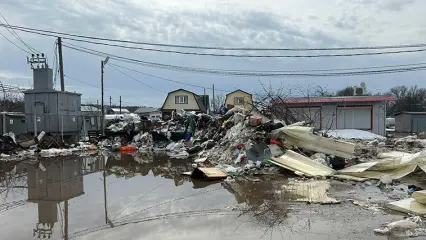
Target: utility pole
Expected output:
[102,94]
[61,64]
[213,100]
[110,101]
[120,104]
[102,98]
[204,100]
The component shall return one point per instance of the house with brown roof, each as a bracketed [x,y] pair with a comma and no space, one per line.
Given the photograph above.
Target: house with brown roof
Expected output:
[183,99]
[238,98]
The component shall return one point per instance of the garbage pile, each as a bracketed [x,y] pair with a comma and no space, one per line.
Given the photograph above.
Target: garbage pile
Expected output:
[240,140]
[124,123]
[8,144]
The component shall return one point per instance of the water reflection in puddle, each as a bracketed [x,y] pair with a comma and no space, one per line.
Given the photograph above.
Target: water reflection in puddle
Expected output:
[123,197]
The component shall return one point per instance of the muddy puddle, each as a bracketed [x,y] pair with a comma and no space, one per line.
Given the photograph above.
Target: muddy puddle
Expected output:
[126,197]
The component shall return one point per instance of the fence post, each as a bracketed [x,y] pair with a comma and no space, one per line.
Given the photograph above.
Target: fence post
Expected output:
[4,123]
[35,124]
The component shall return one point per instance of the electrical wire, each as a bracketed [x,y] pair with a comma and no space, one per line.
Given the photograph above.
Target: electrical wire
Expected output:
[234,55]
[98,87]
[40,31]
[243,74]
[170,80]
[250,56]
[12,31]
[14,44]
[271,71]
[137,79]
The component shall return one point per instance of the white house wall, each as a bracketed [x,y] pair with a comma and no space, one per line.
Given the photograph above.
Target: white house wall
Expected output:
[364,116]
[170,103]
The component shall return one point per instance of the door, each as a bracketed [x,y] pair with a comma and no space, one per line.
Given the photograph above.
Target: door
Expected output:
[354,117]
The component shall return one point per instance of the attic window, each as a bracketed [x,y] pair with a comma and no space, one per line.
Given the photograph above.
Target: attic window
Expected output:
[181,99]
[238,100]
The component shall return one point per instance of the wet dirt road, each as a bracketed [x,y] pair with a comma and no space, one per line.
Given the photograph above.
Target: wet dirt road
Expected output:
[66,198]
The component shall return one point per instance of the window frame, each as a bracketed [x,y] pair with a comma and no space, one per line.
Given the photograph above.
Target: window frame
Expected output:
[180,97]
[239,101]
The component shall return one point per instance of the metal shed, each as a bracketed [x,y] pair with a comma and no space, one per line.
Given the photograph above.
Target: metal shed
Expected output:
[410,122]
[46,109]
[329,113]
[12,122]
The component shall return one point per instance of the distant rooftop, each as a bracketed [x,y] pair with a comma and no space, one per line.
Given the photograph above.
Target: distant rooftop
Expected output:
[146,110]
[89,109]
[411,113]
[123,110]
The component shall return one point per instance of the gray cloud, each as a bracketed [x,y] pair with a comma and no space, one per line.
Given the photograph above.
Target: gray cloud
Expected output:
[342,23]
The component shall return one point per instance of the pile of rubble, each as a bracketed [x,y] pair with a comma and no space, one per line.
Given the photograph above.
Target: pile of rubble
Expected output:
[8,144]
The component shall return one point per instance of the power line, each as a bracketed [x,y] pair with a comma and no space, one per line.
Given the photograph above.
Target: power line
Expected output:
[233,55]
[258,71]
[12,31]
[245,74]
[14,43]
[137,79]
[34,30]
[252,56]
[167,79]
[92,85]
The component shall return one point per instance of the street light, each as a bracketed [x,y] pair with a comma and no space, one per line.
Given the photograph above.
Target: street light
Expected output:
[102,93]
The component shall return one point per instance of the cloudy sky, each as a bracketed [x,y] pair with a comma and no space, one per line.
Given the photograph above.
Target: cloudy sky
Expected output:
[237,23]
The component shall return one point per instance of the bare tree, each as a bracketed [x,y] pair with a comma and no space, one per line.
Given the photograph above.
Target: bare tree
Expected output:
[217,102]
[11,99]
[276,101]
[408,99]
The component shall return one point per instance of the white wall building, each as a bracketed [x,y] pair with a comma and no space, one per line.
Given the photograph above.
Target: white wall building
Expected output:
[329,113]
[155,116]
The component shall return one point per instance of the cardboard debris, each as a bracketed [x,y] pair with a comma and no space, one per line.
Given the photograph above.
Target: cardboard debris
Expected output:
[310,191]
[209,173]
[303,137]
[419,196]
[299,163]
[409,205]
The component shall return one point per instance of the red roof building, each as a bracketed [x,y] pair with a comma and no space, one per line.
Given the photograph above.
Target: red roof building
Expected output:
[329,113]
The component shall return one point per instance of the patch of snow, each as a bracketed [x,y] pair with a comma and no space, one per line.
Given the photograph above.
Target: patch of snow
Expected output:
[353,134]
